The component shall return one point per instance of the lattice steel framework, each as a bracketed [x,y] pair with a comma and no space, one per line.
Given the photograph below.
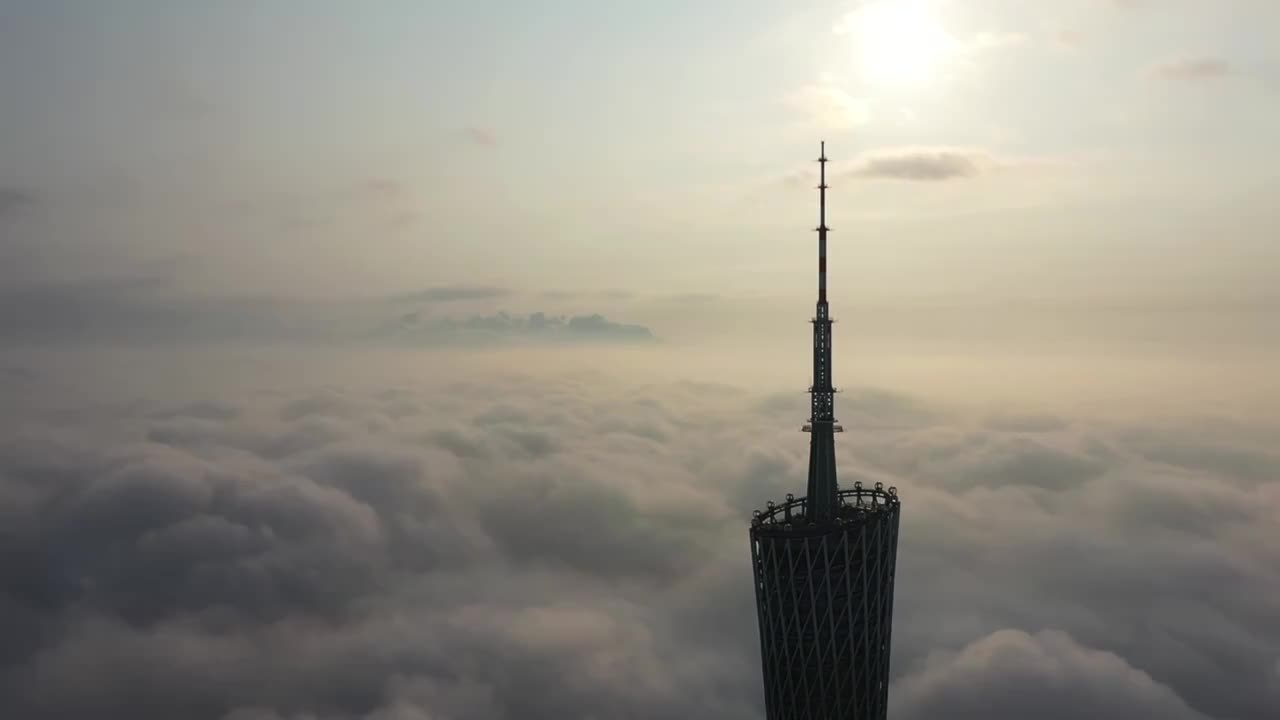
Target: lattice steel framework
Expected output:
[824,566]
[824,595]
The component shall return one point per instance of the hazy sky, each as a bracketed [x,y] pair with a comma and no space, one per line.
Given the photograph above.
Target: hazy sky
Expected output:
[236,485]
[1061,148]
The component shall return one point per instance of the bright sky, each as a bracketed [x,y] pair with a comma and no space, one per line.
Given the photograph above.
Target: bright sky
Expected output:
[1056,148]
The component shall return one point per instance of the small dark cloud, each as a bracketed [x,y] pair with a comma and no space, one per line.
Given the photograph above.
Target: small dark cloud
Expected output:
[1191,69]
[920,164]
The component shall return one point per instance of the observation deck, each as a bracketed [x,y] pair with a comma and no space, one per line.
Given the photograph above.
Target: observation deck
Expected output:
[857,504]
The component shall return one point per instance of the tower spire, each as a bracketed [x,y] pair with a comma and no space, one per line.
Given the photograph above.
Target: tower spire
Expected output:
[822,224]
[823,493]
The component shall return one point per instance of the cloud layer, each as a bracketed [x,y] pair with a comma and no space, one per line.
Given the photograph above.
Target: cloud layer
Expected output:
[477,545]
[418,327]
[148,309]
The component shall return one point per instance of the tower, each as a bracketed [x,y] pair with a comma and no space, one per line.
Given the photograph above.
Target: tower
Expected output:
[823,565]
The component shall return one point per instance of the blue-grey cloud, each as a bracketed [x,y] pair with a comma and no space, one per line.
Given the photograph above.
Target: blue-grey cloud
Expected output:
[538,326]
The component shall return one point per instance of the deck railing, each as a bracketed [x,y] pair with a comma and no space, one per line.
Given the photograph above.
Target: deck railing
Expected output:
[853,503]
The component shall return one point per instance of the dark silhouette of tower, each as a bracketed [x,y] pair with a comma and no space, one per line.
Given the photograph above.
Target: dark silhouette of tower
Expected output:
[824,566]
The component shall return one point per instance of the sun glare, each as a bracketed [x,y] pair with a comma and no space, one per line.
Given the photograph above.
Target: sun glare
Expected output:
[899,42]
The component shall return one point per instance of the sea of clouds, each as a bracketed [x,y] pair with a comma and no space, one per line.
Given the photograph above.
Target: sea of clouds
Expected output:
[453,537]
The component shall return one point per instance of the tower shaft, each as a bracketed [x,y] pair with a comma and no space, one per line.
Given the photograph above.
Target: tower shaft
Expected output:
[822,490]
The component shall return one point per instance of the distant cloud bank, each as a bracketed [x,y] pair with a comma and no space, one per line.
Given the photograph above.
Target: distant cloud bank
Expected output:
[149,310]
[535,326]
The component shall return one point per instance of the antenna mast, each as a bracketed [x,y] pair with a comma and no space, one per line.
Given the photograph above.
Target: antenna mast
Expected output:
[822,489]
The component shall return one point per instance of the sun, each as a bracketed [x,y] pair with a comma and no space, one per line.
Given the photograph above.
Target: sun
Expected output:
[899,43]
